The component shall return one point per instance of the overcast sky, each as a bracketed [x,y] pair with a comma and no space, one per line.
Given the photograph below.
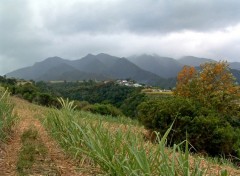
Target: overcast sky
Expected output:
[32,30]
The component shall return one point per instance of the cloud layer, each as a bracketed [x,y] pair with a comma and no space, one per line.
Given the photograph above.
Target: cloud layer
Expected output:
[32,30]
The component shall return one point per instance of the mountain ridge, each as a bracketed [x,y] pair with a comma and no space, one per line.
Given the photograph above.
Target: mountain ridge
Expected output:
[147,69]
[100,67]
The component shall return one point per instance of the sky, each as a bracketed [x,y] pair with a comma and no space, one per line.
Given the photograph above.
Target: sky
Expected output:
[32,30]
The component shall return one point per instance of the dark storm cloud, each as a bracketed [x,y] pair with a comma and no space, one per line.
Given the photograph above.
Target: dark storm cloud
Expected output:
[18,36]
[145,16]
[32,30]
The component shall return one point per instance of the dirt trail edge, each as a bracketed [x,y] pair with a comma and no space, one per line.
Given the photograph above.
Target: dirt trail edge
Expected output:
[26,113]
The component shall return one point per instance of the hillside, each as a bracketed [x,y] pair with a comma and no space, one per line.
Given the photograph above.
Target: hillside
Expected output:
[162,66]
[38,69]
[234,65]
[193,61]
[50,159]
[66,72]
[99,67]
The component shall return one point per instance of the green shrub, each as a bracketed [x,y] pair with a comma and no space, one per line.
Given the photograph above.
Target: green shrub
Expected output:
[159,114]
[207,131]
[28,96]
[213,135]
[81,104]
[129,106]
[103,109]
[45,99]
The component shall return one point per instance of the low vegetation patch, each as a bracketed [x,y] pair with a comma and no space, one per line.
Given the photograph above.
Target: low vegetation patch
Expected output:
[31,148]
[32,156]
[7,118]
[103,109]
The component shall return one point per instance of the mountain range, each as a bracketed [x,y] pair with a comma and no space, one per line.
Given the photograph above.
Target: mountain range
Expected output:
[147,69]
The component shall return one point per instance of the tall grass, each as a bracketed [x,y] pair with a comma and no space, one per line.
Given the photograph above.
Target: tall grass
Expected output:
[119,151]
[7,118]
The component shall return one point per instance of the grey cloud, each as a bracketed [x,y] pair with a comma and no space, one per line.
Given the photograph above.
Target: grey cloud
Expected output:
[145,16]
[20,41]
[74,28]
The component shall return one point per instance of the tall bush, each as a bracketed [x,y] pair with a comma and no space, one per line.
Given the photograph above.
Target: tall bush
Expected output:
[207,130]
[103,109]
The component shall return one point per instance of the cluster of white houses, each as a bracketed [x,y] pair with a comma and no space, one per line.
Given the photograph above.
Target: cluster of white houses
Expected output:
[128,83]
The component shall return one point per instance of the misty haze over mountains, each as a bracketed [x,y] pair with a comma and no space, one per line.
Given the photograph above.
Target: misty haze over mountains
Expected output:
[147,69]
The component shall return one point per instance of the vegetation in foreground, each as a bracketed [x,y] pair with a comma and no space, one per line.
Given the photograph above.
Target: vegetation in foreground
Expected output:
[7,118]
[117,149]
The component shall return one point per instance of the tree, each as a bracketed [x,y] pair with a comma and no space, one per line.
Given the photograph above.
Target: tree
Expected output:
[185,81]
[213,86]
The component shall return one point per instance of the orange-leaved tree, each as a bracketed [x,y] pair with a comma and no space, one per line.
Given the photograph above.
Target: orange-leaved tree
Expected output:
[185,81]
[213,86]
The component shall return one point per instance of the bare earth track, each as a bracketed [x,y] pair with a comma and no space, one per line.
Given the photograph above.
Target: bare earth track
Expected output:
[56,157]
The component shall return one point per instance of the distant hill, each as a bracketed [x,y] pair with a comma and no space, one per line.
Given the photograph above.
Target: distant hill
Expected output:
[38,69]
[165,67]
[193,61]
[66,72]
[234,65]
[197,61]
[100,67]
[148,69]
[236,74]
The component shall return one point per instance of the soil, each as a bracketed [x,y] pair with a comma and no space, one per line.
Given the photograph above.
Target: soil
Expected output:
[56,162]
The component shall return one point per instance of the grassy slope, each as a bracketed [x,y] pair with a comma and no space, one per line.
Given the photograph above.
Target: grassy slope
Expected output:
[114,139]
[117,146]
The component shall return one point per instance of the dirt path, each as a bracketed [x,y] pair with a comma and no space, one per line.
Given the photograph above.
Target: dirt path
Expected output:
[26,113]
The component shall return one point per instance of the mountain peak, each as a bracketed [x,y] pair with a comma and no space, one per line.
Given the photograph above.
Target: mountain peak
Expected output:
[51,61]
[54,58]
[89,55]
[103,54]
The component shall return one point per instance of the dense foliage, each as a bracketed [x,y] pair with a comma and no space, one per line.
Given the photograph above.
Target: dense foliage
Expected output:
[207,130]
[213,86]
[90,91]
[28,91]
[206,107]
[103,109]
[110,95]
[98,97]
[32,93]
